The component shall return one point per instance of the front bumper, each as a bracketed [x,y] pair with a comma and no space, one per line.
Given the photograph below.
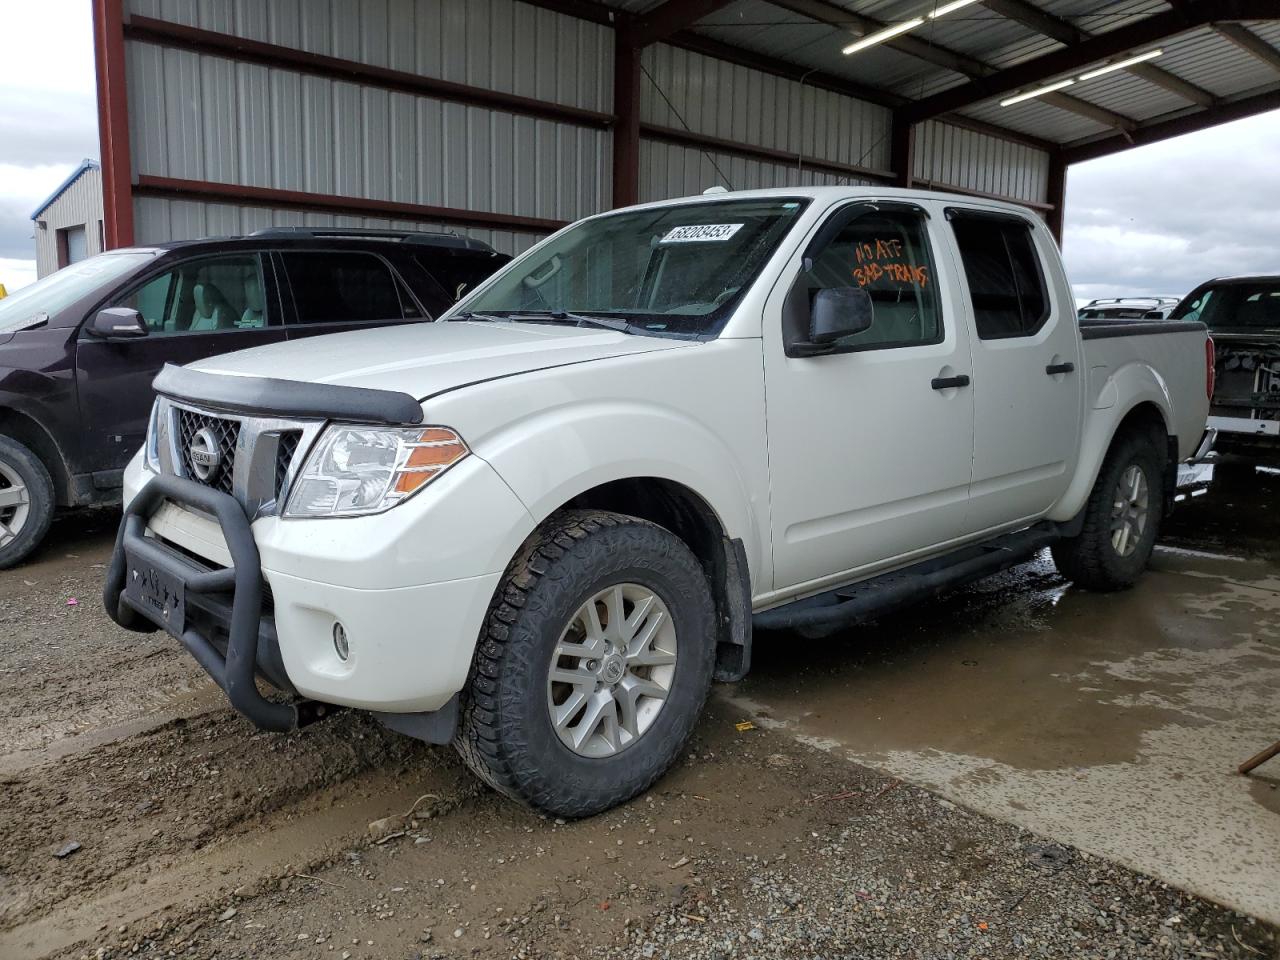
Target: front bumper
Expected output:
[234,667]
[396,581]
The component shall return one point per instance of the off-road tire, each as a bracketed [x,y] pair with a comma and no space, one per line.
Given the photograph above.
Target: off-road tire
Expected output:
[39,486]
[505,733]
[1089,560]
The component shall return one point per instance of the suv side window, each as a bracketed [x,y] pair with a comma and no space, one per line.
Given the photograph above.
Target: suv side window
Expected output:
[207,295]
[1002,270]
[885,251]
[345,287]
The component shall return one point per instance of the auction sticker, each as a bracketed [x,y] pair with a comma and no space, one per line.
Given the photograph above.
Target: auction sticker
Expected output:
[702,233]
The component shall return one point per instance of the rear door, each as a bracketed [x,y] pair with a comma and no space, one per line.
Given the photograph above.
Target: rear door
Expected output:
[197,308]
[870,448]
[330,291]
[1027,380]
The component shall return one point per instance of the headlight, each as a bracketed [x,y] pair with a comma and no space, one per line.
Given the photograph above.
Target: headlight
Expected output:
[353,471]
[151,448]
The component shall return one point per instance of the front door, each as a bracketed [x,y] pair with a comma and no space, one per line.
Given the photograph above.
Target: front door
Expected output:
[195,309]
[870,446]
[1027,376]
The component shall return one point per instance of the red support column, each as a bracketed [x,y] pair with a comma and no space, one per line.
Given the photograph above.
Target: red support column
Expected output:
[902,150]
[113,123]
[626,110]
[1056,194]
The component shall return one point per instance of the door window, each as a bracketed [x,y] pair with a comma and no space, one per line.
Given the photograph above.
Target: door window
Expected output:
[208,295]
[345,287]
[1002,269]
[884,251]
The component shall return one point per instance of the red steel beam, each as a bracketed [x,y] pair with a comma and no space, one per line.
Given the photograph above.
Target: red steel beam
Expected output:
[626,131]
[113,123]
[1096,49]
[167,34]
[700,141]
[1157,130]
[234,193]
[672,16]
[1056,192]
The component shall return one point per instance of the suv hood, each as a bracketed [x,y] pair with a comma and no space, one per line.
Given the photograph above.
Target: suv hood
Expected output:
[422,359]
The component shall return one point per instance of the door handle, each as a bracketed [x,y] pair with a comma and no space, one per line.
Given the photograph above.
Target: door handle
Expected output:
[946,383]
[1056,368]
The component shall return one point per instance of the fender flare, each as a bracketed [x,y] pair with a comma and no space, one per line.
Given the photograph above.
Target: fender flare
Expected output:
[1125,389]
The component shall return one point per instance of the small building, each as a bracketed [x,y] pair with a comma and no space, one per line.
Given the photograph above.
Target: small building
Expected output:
[68,225]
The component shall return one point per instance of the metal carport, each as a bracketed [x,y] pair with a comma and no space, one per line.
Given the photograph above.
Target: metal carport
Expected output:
[506,118]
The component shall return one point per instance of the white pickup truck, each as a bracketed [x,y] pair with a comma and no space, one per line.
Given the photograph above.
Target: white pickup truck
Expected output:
[539,527]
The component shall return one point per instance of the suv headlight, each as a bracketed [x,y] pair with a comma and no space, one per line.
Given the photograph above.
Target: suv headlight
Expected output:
[353,471]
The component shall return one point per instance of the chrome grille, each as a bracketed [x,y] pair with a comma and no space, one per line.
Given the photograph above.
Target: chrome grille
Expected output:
[225,433]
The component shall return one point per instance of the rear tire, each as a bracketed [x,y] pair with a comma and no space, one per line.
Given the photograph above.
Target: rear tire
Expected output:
[1121,519]
[592,667]
[26,502]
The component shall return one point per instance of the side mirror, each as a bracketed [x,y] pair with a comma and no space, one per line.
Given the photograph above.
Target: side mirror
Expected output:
[837,312]
[118,323]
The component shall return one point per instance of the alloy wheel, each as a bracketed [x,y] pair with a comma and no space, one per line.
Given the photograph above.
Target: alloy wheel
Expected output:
[1130,507]
[612,670]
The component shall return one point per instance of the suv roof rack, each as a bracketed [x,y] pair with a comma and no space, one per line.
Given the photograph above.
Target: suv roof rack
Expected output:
[447,239]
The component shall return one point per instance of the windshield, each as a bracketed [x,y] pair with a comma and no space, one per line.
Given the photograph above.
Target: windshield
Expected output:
[1234,306]
[676,271]
[36,303]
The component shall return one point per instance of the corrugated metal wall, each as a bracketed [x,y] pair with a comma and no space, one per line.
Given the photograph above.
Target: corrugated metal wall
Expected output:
[688,91]
[79,205]
[950,155]
[203,117]
[200,116]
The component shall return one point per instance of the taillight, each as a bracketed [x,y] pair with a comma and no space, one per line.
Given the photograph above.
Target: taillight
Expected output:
[1208,367]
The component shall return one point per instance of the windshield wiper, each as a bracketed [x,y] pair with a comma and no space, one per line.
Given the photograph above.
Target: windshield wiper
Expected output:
[470,315]
[578,319]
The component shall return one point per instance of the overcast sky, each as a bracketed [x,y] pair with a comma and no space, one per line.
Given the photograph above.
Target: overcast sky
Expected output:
[1154,220]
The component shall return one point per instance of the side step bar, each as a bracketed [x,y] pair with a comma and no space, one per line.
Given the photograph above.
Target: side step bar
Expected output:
[889,592]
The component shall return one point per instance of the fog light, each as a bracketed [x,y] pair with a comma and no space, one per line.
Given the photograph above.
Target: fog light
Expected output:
[340,641]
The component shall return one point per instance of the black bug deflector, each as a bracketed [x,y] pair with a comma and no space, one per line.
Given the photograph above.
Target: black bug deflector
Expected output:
[171,578]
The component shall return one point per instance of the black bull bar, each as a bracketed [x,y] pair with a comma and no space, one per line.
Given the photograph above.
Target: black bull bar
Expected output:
[247,636]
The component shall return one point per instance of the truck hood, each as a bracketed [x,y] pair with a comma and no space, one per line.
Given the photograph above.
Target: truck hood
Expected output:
[423,359]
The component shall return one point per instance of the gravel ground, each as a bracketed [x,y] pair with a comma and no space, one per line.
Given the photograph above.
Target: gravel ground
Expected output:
[755,846]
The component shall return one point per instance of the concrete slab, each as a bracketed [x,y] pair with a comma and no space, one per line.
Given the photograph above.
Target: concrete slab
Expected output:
[1110,722]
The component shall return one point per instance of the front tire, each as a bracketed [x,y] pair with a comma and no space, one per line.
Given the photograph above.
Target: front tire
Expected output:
[26,502]
[1122,517]
[593,665]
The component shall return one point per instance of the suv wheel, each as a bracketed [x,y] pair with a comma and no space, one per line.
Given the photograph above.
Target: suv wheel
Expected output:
[593,666]
[26,502]
[1121,518]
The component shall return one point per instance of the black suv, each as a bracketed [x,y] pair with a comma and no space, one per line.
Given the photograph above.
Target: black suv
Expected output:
[79,349]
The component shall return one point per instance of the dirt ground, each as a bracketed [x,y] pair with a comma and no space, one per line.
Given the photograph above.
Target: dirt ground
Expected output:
[140,816]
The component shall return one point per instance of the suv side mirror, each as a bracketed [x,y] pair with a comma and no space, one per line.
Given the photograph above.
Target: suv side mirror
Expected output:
[837,312]
[118,323]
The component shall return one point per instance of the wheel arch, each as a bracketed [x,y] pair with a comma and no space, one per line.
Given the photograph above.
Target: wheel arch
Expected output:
[677,507]
[1100,435]
[33,435]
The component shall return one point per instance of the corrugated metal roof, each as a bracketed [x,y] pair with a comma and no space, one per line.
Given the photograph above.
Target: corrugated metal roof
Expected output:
[1200,57]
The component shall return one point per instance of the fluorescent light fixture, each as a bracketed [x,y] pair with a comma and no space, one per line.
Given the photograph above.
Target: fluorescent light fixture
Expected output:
[1038,91]
[951,7]
[1121,64]
[880,36]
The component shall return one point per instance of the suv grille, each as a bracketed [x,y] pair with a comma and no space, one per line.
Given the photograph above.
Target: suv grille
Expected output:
[224,434]
[289,441]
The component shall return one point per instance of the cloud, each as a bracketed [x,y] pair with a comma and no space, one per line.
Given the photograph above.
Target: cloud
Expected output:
[15,274]
[1163,218]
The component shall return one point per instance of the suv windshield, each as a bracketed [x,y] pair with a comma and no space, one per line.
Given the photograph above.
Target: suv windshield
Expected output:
[675,271]
[34,304]
[1252,305]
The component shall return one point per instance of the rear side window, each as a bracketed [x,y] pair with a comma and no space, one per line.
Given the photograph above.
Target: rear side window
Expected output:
[345,288]
[1002,270]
